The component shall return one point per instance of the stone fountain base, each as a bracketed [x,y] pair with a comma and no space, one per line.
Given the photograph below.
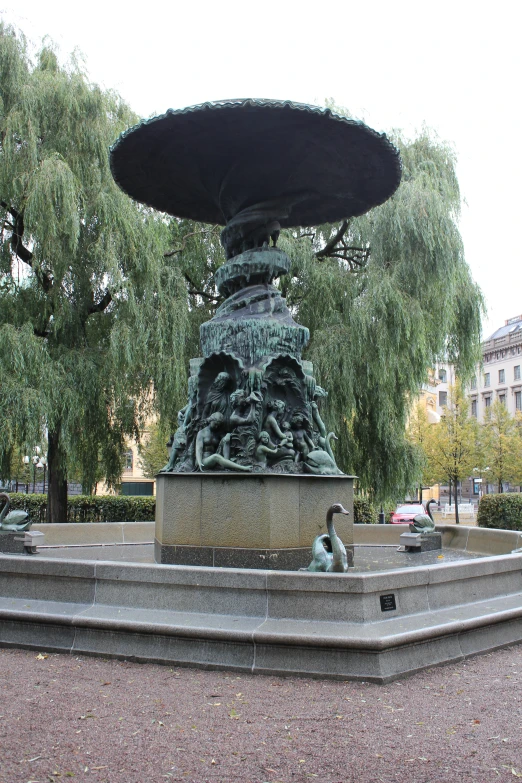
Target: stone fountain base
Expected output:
[263,520]
[362,626]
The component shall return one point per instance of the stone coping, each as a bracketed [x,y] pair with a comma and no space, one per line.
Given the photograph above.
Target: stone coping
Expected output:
[95,533]
[470,539]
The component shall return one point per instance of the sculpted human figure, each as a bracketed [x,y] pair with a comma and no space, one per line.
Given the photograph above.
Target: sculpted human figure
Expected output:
[207,444]
[186,414]
[263,449]
[218,396]
[301,439]
[243,408]
[271,424]
[179,445]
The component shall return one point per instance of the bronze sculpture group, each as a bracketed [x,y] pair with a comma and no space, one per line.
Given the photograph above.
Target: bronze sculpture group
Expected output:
[230,427]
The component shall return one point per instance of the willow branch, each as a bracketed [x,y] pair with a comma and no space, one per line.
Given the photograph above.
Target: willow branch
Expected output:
[331,244]
[102,304]
[196,292]
[187,236]
[24,254]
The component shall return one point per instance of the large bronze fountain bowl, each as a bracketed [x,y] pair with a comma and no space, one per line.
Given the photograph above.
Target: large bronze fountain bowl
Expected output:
[299,164]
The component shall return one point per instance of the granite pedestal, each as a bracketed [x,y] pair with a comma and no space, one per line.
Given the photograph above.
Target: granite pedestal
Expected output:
[421,542]
[11,542]
[263,520]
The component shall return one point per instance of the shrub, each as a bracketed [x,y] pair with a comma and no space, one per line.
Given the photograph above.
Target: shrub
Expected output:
[363,512]
[91,508]
[500,511]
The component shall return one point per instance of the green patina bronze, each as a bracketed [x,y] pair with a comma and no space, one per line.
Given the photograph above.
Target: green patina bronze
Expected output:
[423,523]
[328,551]
[16,521]
[254,167]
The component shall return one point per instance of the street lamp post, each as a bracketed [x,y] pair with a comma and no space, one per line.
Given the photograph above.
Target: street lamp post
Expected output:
[38,460]
[35,461]
[43,464]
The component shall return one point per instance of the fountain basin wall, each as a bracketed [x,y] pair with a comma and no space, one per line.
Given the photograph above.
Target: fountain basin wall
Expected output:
[484,541]
[372,626]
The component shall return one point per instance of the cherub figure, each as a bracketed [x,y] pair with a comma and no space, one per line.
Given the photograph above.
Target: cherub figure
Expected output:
[302,441]
[263,449]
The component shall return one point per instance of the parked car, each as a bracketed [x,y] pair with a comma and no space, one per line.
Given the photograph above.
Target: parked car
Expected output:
[406,512]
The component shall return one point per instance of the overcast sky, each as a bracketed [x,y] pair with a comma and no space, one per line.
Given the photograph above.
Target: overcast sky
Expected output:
[454,66]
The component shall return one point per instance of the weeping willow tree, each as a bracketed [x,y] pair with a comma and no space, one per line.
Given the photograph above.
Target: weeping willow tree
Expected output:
[384,296]
[88,306]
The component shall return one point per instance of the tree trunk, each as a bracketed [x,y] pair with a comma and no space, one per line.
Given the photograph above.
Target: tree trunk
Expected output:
[456,488]
[57,494]
[449,485]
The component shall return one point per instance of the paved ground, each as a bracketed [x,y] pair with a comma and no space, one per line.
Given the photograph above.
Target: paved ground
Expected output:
[367,558]
[66,717]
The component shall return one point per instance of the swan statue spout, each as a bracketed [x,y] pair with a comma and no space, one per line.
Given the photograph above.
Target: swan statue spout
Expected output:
[16,521]
[423,523]
[329,553]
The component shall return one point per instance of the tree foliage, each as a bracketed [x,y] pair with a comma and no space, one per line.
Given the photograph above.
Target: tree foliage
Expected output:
[152,450]
[93,311]
[88,307]
[451,445]
[418,433]
[500,445]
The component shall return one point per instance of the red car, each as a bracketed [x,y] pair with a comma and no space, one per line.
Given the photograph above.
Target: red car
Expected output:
[404,514]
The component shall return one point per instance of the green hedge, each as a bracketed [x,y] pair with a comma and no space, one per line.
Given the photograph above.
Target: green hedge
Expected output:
[90,508]
[363,512]
[500,511]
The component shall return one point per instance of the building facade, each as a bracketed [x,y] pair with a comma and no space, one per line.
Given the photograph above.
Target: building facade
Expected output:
[499,377]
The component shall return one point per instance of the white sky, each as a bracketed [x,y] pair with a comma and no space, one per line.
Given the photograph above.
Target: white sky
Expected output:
[454,66]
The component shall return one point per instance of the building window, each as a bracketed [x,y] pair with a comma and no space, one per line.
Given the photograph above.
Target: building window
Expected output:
[474,408]
[473,383]
[443,398]
[516,372]
[501,376]
[518,400]
[443,376]
[487,380]
[502,398]
[137,488]
[128,460]
[487,401]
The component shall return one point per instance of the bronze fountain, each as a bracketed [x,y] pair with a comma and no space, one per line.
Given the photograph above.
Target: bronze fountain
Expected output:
[254,167]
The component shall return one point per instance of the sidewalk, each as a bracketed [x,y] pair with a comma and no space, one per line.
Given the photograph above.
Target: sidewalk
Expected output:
[66,717]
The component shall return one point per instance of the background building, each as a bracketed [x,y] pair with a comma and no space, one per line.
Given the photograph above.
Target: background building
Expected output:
[499,376]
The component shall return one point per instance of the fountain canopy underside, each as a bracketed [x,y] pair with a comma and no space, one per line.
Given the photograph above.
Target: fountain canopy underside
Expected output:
[254,403]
